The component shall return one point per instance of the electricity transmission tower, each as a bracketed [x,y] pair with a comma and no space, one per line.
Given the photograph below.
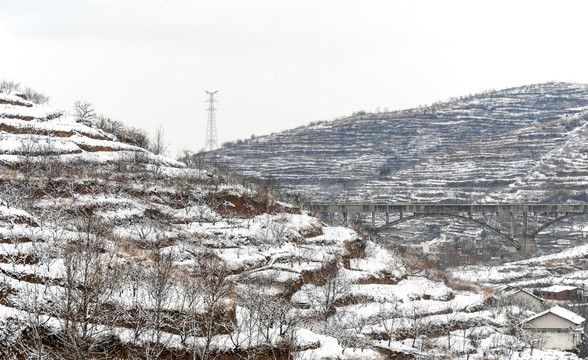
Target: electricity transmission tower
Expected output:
[211,140]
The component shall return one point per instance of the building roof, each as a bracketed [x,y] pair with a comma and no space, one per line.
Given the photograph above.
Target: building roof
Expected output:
[562,313]
[511,292]
[559,288]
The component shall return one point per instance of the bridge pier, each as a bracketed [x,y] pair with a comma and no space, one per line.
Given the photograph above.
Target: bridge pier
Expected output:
[527,244]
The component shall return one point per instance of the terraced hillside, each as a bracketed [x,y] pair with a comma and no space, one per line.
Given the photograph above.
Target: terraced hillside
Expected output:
[568,267]
[539,163]
[109,251]
[412,154]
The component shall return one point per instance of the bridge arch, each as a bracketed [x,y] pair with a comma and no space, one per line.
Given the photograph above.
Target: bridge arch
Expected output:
[492,229]
[551,222]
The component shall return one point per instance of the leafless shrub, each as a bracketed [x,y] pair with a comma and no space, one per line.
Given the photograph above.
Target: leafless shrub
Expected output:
[33,340]
[34,96]
[7,86]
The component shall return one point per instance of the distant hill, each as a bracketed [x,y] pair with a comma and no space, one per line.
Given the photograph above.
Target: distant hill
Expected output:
[485,147]
[546,162]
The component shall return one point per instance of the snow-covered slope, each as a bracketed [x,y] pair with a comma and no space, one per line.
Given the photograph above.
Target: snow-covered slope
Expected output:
[458,150]
[28,129]
[568,267]
[107,250]
[539,163]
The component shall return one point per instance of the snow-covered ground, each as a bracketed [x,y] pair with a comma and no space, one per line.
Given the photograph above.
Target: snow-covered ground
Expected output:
[101,238]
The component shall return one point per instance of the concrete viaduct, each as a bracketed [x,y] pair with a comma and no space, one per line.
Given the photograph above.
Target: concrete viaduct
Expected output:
[479,214]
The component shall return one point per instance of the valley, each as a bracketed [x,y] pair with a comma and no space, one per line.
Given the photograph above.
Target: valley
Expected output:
[108,250]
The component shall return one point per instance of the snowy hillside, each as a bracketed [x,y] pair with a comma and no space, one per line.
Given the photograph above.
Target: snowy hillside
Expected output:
[29,129]
[539,163]
[109,251]
[450,151]
[525,144]
[568,267]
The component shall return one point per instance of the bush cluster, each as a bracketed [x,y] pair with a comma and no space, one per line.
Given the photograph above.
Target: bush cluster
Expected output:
[26,93]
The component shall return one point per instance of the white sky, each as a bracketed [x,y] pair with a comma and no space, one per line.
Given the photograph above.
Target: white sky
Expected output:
[280,64]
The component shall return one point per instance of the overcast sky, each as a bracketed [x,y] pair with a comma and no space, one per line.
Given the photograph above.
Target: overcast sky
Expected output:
[281,64]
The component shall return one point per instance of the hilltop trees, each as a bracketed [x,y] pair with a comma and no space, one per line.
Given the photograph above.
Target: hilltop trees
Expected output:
[84,112]
[34,96]
[8,86]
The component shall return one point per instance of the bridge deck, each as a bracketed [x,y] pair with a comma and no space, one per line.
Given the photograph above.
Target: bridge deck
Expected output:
[426,208]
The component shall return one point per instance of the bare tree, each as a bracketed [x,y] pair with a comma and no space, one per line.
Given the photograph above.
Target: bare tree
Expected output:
[216,289]
[111,126]
[26,192]
[159,145]
[278,312]
[35,96]
[29,151]
[145,231]
[33,339]
[137,316]
[51,164]
[84,112]
[388,317]
[450,322]
[189,298]
[333,287]
[337,329]
[355,325]
[187,157]
[506,345]
[417,324]
[245,334]
[271,233]
[88,283]
[159,281]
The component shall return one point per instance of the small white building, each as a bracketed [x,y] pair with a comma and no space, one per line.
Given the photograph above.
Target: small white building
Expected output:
[524,297]
[556,328]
